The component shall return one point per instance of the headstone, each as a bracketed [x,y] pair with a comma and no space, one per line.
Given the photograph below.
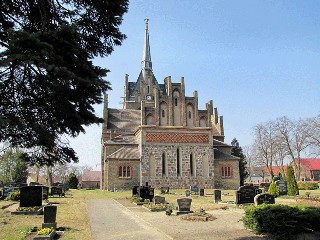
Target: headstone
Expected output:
[264,198]
[146,192]
[45,192]
[194,189]
[49,214]
[217,196]
[283,187]
[187,193]
[246,194]
[135,191]
[164,190]
[184,205]
[201,192]
[159,200]
[31,196]
[56,191]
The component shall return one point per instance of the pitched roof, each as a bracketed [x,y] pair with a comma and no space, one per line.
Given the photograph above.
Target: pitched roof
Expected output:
[217,143]
[91,176]
[275,169]
[223,156]
[126,152]
[124,119]
[311,163]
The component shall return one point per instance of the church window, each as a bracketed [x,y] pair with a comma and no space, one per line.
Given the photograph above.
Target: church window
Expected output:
[226,171]
[178,163]
[163,113]
[148,89]
[176,102]
[189,114]
[125,171]
[163,164]
[191,165]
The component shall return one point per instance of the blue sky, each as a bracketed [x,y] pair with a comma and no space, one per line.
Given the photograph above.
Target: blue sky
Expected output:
[257,60]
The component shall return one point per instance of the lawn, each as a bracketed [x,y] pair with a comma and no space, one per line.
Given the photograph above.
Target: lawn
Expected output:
[72,210]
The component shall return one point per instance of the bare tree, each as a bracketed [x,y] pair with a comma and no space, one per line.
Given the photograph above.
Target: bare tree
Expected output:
[294,137]
[314,135]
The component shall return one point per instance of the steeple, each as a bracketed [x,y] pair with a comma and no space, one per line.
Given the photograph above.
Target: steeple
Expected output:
[146,56]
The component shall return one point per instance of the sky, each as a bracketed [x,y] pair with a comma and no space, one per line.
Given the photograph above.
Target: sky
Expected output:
[257,60]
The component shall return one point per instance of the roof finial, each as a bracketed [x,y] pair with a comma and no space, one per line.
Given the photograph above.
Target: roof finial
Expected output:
[146,20]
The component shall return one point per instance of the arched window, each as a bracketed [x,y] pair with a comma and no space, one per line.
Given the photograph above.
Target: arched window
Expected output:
[178,163]
[125,171]
[163,164]
[163,113]
[189,114]
[176,102]
[191,165]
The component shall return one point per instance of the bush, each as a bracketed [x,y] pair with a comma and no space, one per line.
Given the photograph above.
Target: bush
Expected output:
[14,196]
[274,190]
[281,221]
[307,186]
[291,182]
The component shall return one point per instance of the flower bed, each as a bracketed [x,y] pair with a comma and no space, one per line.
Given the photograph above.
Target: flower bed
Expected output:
[37,210]
[197,216]
[156,207]
[45,234]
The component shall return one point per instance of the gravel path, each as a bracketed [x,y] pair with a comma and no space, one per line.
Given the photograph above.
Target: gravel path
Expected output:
[110,219]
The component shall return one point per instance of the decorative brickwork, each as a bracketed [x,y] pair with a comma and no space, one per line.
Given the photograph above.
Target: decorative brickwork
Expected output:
[177,138]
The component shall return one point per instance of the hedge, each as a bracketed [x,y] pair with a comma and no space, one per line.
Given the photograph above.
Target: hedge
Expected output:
[281,221]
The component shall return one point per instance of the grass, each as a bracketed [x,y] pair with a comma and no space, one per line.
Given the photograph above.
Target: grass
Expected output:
[72,210]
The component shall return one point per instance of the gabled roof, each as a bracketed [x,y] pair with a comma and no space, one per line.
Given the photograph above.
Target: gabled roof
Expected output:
[91,176]
[126,152]
[275,169]
[311,163]
[223,156]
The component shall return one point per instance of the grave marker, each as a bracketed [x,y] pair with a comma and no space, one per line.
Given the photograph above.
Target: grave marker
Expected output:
[159,200]
[31,196]
[184,205]
[283,187]
[264,198]
[246,194]
[201,192]
[194,189]
[49,215]
[217,196]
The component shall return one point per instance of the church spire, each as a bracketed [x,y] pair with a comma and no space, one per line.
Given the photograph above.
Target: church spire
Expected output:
[146,56]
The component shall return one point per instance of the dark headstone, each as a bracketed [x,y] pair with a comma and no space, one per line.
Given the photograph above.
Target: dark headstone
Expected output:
[146,192]
[159,200]
[45,192]
[201,192]
[194,189]
[50,215]
[184,205]
[135,191]
[56,191]
[283,187]
[246,194]
[187,193]
[217,196]
[264,198]
[31,196]
[164,190]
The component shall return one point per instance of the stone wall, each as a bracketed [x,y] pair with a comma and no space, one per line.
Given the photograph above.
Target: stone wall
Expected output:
[113,180]
[227,182]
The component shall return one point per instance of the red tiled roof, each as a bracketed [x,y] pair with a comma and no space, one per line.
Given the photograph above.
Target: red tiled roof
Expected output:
[275,169]
[311,163]
[91,176]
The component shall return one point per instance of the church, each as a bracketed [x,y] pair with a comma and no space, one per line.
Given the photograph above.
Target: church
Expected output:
[160,136]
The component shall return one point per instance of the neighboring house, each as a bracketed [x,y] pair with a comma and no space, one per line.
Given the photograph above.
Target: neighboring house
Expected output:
[310,169]
[262,174]
[160,136]
[90,179]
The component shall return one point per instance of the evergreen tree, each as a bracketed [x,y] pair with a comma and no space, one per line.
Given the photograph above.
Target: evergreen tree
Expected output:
[72,181]
[292,185]
[237,151]
[48,83]
[274,189]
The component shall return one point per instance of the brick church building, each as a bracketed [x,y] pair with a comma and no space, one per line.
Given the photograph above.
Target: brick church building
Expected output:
[160,136]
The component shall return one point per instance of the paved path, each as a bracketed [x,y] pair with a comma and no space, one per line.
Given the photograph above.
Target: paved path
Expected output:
[111,220]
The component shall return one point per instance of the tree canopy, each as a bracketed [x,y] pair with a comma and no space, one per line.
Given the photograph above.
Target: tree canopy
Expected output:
[237,151]
[48,83]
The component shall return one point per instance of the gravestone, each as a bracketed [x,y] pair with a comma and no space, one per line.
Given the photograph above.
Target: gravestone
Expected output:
[146,192]
[283,187]
[135,191]
[164,190]
[246,194]
[159,200]
[31,196]
[201,192]
[184,205]
[194,189]
[56,191]
[45,193]
[264,198]
[217,196]
[187,193]
[50,215]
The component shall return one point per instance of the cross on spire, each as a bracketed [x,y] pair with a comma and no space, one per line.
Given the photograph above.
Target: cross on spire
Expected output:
[146,56]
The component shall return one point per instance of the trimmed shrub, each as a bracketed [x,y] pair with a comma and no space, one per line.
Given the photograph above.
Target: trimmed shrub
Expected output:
[274,189]
[291,182]
[307,186]
[14,196]
[281,221]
